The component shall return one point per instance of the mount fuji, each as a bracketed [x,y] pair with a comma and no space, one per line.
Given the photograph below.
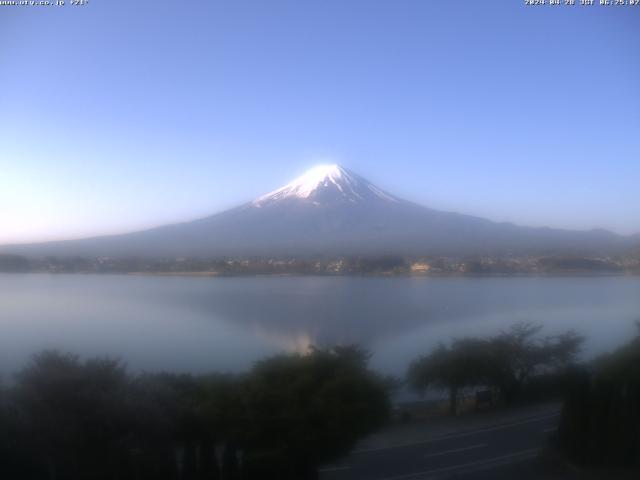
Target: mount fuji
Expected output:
[326,185]
[331,210]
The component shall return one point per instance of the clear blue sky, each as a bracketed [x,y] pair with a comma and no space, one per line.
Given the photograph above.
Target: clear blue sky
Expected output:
[127,114]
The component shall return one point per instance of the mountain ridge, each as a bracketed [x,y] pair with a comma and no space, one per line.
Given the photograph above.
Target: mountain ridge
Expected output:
[331,210]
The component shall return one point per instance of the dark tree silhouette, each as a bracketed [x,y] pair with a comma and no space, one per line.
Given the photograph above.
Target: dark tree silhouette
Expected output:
[451,367]
[519,353]
[505,362]
[74,415]
[600,423]
[303,410]
[67,419]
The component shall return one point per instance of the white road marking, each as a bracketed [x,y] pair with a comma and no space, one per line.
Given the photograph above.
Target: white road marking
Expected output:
[458,435]
[456,450]
[549,430]
[473,466]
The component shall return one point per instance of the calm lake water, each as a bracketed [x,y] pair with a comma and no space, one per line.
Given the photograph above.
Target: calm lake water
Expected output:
[225,324]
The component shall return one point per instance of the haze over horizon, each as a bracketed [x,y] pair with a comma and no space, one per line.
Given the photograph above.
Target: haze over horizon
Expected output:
[321,179]
[107,131]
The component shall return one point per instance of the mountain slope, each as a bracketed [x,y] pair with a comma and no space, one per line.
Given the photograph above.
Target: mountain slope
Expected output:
[333,211]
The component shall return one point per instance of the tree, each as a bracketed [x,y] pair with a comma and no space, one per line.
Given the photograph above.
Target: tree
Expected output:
[74,414]
[224,415]
[15,461]
[453,367]
[303,410]
[517,354]
[171,431]
[505,362]
[68,419]
[600,422]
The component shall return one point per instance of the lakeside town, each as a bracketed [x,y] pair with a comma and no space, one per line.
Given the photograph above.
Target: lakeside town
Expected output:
[347,265]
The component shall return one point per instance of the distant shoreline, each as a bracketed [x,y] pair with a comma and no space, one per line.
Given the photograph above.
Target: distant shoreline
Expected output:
[383,275]
[169,274]
[366,266]
[186,274]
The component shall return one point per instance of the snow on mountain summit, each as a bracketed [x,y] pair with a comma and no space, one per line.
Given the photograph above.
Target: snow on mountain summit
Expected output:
[325,184]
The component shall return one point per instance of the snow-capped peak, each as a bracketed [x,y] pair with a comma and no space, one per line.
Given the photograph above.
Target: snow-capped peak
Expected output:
[327,184]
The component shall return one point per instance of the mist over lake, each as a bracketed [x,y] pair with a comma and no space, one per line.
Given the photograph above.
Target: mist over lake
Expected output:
[225,324]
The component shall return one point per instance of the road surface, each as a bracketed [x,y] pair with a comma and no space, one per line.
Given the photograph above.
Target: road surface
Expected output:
[495,448]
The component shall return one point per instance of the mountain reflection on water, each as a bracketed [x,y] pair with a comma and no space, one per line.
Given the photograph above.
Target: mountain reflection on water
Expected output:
[201,324]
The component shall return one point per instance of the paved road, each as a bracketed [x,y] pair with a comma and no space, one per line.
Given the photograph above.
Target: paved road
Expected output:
[502,450]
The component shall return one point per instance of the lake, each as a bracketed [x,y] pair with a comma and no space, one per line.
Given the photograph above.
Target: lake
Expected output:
[225,324]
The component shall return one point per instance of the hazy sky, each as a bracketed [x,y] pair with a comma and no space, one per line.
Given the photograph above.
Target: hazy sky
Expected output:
[126,114]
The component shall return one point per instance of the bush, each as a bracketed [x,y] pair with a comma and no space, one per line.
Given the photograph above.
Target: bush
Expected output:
[68,419]
[600,422]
